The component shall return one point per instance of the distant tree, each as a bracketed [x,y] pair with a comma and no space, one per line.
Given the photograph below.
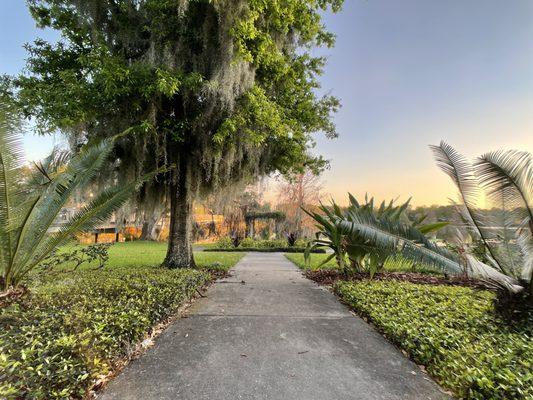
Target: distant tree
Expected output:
[150,218]
[223,90]
[295,192]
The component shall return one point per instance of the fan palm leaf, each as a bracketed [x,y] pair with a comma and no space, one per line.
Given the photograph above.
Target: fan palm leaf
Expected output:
[460,170]
[508,175]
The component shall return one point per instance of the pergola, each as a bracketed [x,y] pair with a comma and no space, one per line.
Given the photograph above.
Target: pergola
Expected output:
[251,217]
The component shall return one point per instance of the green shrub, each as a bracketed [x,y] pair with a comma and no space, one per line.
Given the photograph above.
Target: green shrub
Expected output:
[454,332]
[224,243]
[301,243]
[247,242]
[271,244]
[266,250]
[263,243]
[75,257]
[58,340]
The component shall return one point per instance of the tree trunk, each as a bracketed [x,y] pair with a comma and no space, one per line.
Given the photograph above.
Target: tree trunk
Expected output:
[145,230]
[179,252]
[148,228]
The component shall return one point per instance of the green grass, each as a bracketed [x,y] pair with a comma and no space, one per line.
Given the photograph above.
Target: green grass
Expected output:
[454,332]
[73,327]
[391,265]
[208,245]
[316,260]
[144,253]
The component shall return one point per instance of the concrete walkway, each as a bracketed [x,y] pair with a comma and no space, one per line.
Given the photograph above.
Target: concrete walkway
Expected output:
[269,333]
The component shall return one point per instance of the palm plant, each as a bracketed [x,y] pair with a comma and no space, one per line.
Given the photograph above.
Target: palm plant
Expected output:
[28,208]
[367,235]
[505,178]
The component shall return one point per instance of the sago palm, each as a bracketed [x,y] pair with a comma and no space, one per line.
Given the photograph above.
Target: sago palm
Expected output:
[27,209]
[367,235]
[505,178]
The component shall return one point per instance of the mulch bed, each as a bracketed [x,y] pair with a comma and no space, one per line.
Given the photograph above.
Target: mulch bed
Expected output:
[12,295]
[218,274]
[329,277]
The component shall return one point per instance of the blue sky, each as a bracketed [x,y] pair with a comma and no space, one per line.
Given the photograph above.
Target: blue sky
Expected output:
[409,73]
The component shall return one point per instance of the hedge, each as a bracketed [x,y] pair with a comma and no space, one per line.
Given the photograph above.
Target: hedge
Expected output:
[58,340]
[249,243]
[454,332]
[268,249]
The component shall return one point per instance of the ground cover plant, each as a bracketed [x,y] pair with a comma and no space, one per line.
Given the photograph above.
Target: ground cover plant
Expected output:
[454,332]
[71,329]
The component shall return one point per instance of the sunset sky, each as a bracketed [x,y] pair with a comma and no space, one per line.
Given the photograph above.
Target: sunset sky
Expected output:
[409,73]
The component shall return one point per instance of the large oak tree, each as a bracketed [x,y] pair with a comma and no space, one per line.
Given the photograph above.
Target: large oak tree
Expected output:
[221,90]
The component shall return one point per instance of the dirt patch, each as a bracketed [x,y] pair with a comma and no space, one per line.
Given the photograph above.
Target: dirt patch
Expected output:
[11,296]
[218,274]
[324,276]
[328,277]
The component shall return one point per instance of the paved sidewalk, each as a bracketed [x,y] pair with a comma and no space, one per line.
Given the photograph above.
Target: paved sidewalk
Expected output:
[269,333]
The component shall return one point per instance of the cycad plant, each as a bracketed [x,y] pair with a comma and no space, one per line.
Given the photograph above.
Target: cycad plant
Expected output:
[29,207]
[363,236]
[505,180]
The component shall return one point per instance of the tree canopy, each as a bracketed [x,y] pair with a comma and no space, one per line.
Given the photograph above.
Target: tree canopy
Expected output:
[224,90]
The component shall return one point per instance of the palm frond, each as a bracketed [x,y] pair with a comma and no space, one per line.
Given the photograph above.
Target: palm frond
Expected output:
[430,228]
[97,212]
[508,176]
[11,160]
[54,197]
[461,171]
[25,220]
[491,275]
[397,237]
[525,244]
[46,170]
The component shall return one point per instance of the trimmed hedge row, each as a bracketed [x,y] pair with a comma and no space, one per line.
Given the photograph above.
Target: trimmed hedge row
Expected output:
[249,243]
[268,249]
[57,341]
[454,332]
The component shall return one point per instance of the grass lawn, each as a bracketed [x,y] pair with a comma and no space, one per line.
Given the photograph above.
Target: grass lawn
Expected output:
[454,332]
[145,253]
[316,260]
[73,328]
[390,265]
